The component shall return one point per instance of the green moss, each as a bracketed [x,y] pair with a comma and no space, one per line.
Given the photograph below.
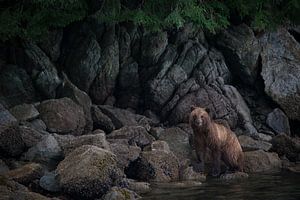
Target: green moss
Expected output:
[125,193]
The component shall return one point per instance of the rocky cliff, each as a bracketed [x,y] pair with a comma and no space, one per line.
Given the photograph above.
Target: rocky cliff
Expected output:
[107,101]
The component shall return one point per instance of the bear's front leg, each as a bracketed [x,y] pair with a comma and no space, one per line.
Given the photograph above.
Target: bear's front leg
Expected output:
[200,167]
[200,147]
[216,168]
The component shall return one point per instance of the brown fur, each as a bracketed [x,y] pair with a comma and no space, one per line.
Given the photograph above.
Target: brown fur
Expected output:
[222,142]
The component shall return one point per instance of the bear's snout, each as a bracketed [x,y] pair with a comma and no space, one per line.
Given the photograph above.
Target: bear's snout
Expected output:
[198,121]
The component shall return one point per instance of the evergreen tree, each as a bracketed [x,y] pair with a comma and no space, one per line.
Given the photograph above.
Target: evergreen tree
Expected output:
[33,18]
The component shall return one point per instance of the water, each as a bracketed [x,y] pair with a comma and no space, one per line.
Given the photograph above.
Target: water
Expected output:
[256,187]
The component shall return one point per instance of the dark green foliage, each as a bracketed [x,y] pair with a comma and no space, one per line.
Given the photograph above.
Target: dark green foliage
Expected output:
[33,18]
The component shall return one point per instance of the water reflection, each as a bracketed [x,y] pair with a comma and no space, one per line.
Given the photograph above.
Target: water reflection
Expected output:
[258,187]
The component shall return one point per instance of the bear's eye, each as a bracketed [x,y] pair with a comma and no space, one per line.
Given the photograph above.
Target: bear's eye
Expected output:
[202,117]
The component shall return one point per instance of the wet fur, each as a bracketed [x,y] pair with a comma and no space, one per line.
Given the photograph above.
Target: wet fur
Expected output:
[222,142]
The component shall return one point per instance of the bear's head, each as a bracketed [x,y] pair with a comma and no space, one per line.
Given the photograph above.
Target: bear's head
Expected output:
[199,117]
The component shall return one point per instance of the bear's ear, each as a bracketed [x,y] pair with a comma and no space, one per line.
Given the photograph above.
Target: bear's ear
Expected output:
[193,108]
[207,110]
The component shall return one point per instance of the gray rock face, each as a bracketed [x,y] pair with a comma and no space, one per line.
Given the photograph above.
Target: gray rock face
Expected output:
[241,50]
[208,97]
[281,70]
[101,121]
[24,112]
[129,42]
[42,70]
[261,161]
[11,143]
[178,141]
[104,83]
[62,116]
[249,144]
[212,67]
[171,73]
[51,44]
[154,165]
[47,151]
[135,135]
[279,122]
[285,145]
[82,60]
[153,45]
[242,109]
[88,172]
[16,87]
[68,89]
[128,91]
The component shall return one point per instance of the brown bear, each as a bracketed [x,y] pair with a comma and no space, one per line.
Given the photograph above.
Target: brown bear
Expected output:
[222,142]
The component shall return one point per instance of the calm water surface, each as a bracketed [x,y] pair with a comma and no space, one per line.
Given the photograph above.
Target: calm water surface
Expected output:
[260,187]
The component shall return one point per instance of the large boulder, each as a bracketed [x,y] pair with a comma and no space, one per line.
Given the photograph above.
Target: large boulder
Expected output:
[261,161]
[135,135]
[241,50]
[16,86]
[68,89]
[25,174]
[49,182]
[281,70]
[278,121]
[122,117]
[286,146]
[47,151]
[11,142]
[155,165]
[117,193]
[249,144]
[41,69]
[62,116]
[31,136]
[101,121]
[178,141]
[125,153]
[88,172]
[12,190]
[68,143]
[24,112]
[136,186]
[119,117]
